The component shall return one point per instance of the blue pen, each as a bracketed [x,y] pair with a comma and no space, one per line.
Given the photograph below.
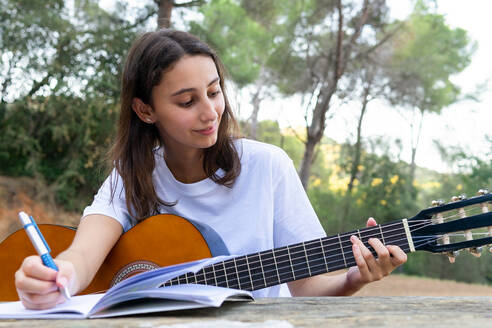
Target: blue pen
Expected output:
[40,245]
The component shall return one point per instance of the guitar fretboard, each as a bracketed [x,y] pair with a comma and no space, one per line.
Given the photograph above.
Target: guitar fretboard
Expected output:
[280,265]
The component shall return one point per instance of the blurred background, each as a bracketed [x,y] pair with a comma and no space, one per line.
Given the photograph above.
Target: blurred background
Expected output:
[384,106]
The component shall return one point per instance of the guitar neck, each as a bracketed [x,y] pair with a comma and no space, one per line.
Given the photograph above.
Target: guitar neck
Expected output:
[297,261]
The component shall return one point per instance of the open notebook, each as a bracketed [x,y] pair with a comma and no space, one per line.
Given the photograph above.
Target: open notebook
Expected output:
[138,294]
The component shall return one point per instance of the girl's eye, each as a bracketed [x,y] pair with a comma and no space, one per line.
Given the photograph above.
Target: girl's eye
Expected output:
[214,93]
[187,104]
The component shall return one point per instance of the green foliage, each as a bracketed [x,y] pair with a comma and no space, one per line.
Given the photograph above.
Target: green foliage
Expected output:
[241,43]
[426,54]
[269,132]
[64,148]
[59,92]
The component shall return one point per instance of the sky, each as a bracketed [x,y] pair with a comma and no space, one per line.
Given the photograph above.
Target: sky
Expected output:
[464,124]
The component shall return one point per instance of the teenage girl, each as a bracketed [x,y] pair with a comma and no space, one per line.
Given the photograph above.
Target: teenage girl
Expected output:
[177,151]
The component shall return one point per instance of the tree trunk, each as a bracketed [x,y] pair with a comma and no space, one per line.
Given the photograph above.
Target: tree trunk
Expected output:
[413,165]
[307,160]
[164,13]
[357,155]
[358,144]
[342,54]
[253,119]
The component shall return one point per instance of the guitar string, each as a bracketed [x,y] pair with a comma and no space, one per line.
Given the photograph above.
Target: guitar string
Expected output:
[316,243]
[364,231]
[276,271]
[421,240]
[375,229]
[274,279]
[283,262]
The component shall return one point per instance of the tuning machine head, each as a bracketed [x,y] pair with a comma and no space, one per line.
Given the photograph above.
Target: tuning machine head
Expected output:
[452,256]
[458,198]
[476,251]
[483,191]
[438,202]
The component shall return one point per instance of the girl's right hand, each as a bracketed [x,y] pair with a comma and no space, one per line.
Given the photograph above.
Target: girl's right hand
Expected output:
[37,285]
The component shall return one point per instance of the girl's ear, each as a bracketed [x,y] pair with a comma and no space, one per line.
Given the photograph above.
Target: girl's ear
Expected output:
[143,111]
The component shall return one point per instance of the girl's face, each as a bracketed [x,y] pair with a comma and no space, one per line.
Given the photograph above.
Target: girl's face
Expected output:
[188,104]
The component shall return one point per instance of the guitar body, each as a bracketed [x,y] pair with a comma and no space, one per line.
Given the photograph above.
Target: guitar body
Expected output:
[158,241]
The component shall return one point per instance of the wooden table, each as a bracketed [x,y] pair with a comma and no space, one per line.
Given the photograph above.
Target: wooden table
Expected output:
[397,311]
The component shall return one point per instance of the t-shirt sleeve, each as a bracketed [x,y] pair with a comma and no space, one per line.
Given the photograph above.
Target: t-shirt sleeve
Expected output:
[114,207]
[294,217]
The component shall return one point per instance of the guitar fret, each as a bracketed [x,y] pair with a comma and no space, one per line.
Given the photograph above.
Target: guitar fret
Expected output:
[202,272]
[245,281]
[256,271]
[382,235]
[215,276]
[341,249]
[299,261]
[284,268]
[237,274]
[324,254]
[231,273]
[315,259]
[276,266]
[271,278]
[249,272]
[220,274]
[307,258]
[225,274]
[262,269]
[291,266]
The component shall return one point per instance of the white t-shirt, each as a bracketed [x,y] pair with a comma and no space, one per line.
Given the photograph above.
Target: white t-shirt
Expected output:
[266,208]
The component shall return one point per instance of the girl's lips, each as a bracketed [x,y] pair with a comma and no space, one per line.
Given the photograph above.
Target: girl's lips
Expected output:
[207,131]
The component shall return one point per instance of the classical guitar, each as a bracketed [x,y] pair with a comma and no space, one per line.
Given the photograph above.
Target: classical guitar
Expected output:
[166,239]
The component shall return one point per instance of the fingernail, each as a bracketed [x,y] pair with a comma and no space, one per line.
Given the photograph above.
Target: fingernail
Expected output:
[62,281]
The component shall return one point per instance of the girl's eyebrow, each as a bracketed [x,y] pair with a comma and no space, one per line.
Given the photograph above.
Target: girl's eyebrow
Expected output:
[193,89]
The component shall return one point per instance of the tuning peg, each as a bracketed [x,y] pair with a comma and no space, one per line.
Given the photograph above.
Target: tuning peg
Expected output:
[457,198]
[483,191]
[438,202]
[452,256]
[476,251]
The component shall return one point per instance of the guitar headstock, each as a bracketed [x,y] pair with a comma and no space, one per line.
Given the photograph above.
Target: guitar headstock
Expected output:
[462,223]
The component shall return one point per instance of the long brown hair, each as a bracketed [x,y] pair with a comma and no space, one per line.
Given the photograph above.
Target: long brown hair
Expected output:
[132,155]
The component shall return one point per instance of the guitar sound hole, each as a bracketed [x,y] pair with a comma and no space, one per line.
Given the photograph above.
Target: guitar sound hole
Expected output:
[132,269]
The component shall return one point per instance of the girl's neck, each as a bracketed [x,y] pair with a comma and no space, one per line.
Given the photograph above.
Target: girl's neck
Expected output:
[187,167]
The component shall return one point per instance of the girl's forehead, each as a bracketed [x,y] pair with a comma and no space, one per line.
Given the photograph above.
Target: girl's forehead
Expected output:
[190,72]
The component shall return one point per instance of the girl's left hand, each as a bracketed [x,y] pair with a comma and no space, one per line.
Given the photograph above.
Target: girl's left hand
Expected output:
[368,267]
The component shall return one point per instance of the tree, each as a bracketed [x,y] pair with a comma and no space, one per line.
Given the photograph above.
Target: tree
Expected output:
[426,55]
[244,35]
[60,91]
[326,40]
